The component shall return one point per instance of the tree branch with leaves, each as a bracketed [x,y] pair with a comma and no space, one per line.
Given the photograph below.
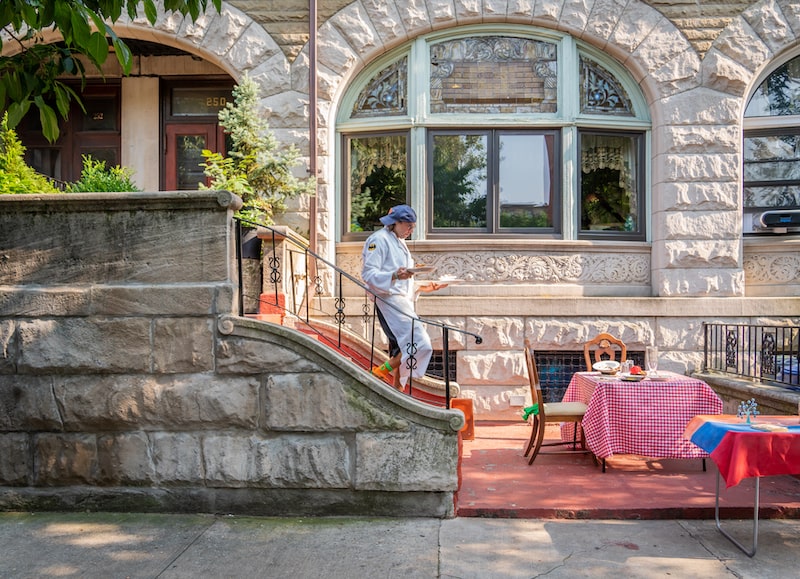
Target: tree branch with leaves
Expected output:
[33,72]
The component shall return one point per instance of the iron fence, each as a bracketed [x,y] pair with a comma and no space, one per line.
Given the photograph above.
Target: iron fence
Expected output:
[318,292]
[766,353]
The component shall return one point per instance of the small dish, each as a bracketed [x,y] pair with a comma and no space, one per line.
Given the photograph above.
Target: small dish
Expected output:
[632,377]
[606,366]
[421,269]
[448,280]
[661,378]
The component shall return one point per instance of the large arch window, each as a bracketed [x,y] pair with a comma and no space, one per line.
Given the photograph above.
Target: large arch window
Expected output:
[771,171]
[487,134]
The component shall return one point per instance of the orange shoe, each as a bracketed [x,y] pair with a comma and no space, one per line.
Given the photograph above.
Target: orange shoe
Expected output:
[382,372]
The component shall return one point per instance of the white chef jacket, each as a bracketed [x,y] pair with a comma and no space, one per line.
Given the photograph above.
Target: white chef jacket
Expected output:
[384,253]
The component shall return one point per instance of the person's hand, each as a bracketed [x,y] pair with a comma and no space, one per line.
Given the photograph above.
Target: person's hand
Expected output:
[432,286]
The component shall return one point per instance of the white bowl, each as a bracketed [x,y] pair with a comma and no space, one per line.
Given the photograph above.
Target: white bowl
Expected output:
[606,366]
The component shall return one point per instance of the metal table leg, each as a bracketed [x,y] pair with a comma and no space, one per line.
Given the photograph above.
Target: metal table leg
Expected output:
[755,521]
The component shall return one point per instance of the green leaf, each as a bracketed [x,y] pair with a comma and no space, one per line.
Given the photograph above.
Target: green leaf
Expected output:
[16,111]
[150,11]
[81,31]
[98,48]
[124,56]
[47,116]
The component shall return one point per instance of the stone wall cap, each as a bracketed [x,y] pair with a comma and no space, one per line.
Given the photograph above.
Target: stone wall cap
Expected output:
[143,201]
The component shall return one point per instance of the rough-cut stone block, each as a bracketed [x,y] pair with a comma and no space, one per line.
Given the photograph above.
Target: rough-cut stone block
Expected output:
[385,19]
[506,367]
[571,334]
[724,253]
[7,346]
[697,167]
[353,23]
[635,23]
[177,458]
[103,345]
[684,139]
[739,42]
[397,462]
[28,403]
[176,300]
[321,401]
[338,54]
[124,459]
[15,459]
[64,459]
[692,226]
[604,17]
[498,333]
[717,282]
[242,356]
[700,106]
[283,462]
[190,401]
[183,345]
[724,74]
[19,301]
[698,196]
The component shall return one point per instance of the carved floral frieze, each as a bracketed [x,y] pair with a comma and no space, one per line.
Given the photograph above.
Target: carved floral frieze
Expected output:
[772,268]
[494,267]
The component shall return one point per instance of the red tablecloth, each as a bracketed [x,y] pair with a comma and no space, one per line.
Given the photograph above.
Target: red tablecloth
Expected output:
[741,451]
[644,418]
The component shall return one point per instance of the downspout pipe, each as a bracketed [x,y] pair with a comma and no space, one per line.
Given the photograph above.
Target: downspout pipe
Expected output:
[312,121]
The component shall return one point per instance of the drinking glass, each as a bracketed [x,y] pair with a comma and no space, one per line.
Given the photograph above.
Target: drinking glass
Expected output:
[651,359]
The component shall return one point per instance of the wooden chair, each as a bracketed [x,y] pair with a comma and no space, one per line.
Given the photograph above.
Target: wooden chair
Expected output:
[603,344]
[550,412]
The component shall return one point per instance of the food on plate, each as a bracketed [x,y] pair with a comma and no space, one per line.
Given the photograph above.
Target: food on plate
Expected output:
[606,366]
[637,370]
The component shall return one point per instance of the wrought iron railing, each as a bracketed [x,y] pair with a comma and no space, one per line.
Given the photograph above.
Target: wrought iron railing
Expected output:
[318,291]
[767,353]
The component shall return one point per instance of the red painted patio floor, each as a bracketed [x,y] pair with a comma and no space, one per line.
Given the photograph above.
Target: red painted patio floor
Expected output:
[496,481]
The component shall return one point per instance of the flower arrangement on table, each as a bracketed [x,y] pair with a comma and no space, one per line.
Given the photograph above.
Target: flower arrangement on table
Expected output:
[748,409]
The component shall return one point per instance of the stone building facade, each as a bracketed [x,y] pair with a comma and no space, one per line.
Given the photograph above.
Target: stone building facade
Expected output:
[684,77]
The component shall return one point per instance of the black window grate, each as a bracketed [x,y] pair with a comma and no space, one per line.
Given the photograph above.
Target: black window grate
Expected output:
[436,366]
[557,367]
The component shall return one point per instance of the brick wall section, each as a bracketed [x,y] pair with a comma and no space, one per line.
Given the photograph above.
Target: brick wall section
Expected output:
[126,383]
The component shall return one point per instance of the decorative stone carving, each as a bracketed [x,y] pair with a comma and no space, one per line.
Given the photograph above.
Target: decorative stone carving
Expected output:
[772,268]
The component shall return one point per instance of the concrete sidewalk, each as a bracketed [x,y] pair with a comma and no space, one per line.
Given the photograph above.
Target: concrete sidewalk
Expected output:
[194,546]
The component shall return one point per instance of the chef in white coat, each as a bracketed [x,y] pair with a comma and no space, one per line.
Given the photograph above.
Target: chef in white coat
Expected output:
[387,261]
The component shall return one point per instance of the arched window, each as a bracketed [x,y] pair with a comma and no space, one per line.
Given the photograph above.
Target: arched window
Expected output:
[506,135]
[771,153]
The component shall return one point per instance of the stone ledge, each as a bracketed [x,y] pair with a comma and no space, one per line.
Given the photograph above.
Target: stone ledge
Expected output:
[771,399]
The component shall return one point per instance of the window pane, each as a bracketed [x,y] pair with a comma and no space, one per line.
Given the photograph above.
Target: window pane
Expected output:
[192,102]
[609,187]
[377,173]
[101,114]
[459,181]
[772,171]
[190,158]
[601,92]
[776,96]
[385,94]
[526,197]
[494,74]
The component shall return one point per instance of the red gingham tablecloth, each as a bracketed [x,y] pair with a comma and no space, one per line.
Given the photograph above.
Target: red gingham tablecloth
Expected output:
[643,418]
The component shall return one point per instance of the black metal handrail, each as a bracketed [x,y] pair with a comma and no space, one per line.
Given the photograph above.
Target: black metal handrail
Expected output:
[767,353]
[307,265]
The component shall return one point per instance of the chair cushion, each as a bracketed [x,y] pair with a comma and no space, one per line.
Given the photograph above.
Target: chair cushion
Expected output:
[555,409]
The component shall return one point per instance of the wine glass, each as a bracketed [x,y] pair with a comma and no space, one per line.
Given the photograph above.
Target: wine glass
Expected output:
[651,359]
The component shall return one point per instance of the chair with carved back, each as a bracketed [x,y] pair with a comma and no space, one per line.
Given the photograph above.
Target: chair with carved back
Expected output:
[549,412]
[603,345]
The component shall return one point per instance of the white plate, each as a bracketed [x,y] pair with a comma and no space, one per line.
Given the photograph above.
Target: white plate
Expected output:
[421,269]
[606,366]
[632,377]
[661,378]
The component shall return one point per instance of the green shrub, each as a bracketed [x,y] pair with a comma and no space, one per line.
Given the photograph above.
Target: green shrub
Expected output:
[15,175]
[95,177]
[257,168]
